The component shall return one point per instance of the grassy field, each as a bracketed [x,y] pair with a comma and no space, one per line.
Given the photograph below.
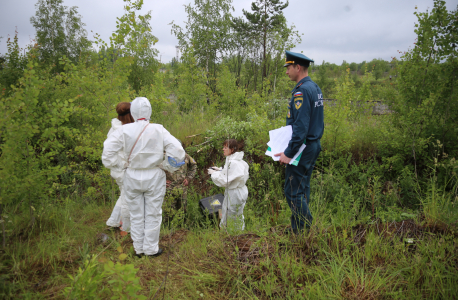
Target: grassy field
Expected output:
[407,259]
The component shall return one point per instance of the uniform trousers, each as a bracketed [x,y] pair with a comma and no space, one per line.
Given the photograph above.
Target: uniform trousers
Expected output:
[297,186]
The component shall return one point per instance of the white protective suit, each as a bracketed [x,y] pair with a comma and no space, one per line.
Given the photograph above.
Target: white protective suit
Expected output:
[144,181]
[121,210]
[233,177]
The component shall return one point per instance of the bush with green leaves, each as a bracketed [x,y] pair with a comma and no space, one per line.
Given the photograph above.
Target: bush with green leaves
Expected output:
[254,132]
[337,117]
[89,281]
[230,99]
[13,64]
[55,123]
[427,106]
[191,84]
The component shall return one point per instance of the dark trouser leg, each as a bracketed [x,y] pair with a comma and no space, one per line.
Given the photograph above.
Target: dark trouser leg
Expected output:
[297,187]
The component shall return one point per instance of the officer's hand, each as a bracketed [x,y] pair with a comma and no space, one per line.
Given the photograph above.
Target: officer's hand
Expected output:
[283,158]
[185,182]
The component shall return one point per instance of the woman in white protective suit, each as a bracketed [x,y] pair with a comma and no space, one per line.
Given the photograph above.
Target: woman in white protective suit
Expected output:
[144,182]
[233,177]
[120,211]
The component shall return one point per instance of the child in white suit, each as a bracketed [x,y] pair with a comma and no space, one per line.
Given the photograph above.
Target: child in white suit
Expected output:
[233,177]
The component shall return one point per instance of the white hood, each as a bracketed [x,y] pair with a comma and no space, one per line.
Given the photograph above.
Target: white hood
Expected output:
[140,108]
[115,123]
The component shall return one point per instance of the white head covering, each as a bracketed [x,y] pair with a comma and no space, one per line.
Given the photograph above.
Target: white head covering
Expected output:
[140,108]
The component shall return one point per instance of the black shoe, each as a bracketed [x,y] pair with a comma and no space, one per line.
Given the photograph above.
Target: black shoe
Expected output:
[140,255]
[159,252]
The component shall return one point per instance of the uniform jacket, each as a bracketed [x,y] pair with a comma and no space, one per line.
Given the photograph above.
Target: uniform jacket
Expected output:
[305,115]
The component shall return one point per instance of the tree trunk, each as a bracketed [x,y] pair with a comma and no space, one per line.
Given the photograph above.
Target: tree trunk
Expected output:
[264,44]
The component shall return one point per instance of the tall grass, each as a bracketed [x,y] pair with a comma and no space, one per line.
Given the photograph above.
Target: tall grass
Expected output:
[341,257]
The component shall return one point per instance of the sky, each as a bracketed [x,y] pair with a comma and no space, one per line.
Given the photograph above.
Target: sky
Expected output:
[333,30]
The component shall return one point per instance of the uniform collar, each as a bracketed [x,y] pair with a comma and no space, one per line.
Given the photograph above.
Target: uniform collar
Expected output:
[302,81]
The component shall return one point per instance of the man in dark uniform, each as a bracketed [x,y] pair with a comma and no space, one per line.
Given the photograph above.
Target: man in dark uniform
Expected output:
[305,115]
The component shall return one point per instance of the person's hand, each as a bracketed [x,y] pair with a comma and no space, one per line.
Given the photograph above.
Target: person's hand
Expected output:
[216,168]
[283,158]
[167,183]
[185,182]
[211,171]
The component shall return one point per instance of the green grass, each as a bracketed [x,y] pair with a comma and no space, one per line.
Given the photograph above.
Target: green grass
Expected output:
[182,125]
[366,261]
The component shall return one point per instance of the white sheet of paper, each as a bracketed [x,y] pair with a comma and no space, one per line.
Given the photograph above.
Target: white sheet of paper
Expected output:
[275,158]
[279,140]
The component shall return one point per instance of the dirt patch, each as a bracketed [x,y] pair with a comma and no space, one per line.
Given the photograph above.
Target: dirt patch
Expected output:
[402,229]
[250,248]
[174,238]
[359,291]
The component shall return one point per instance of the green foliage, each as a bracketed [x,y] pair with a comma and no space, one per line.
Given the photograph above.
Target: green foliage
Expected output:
[139,45]
[206,35]
[124,283]
[230,96]
[60,32]
[192,91]
[427,102]
[88,282]
[338,136]
[365,92]
[13,65]
[51,130]
[254,132]
[29,143]
[324,81]
[262,37]
[265,19]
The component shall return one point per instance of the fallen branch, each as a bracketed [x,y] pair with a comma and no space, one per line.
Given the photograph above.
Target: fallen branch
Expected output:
[204,143]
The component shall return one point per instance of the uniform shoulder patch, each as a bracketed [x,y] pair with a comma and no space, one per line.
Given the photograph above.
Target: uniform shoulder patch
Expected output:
[298,102]
[298,94]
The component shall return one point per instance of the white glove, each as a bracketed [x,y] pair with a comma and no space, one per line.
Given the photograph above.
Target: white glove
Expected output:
[217,169]
[211,171]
